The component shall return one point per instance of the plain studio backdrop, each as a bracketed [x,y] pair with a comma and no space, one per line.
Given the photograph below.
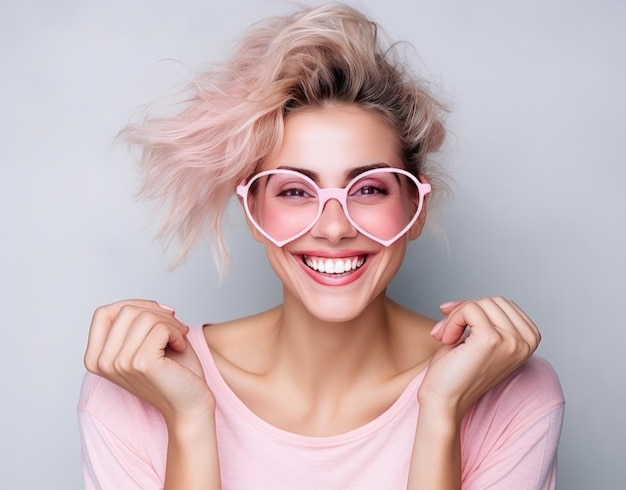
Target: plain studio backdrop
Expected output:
[536,148]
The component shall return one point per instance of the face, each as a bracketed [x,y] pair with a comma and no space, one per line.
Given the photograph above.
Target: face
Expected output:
[334,270]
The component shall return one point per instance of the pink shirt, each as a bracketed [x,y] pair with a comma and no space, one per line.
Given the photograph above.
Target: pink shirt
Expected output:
[509,439]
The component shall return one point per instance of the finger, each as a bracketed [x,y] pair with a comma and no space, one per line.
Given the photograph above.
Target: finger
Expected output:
[486,319]
[136,334]
[448,306]
[104,316]
[154,345]
[520,320]
[506,327]
[128,318]
[99,329]
[509,319]
[454,326]
[109,325]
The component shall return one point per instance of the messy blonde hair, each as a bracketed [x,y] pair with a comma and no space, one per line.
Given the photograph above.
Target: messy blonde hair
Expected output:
[232,114]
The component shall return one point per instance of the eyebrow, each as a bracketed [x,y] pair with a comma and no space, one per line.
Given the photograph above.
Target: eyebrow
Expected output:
[349,174]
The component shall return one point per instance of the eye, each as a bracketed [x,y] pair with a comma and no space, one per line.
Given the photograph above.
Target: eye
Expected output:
[370,187]
[293,189]
[294,192]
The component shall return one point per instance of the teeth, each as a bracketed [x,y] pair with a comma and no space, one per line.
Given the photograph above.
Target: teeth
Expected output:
[334,266]
[329,265]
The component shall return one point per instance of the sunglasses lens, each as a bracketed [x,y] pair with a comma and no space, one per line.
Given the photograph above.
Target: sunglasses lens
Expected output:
[383,203]
[283,204]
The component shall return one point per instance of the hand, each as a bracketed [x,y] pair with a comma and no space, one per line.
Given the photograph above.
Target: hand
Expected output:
[483,342]
[141,346]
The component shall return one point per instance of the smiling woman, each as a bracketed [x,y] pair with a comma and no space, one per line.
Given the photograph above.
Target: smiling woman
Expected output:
[325,137]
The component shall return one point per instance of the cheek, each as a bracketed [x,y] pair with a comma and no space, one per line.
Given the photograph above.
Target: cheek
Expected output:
[279,224]
[267,217]
[385,223]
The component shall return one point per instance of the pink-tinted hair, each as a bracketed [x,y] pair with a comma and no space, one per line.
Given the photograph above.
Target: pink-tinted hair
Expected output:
[232,114]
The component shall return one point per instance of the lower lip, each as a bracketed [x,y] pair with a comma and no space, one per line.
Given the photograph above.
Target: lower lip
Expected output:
[335,279]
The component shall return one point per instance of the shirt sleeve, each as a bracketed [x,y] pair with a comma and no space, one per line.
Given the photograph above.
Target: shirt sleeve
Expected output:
[123,439]
[510,437]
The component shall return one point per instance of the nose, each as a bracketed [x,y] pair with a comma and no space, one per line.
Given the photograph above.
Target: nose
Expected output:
[333,224]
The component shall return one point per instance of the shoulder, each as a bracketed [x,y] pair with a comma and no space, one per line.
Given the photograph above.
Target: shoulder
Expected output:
[119,430]
[530,393]
[535,383]
[114,407]
[536,378]
[510,436]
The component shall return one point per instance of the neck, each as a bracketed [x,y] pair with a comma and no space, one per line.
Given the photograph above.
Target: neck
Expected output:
[326,355]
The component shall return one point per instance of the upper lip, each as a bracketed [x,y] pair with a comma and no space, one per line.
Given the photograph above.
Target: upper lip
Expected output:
[333,254]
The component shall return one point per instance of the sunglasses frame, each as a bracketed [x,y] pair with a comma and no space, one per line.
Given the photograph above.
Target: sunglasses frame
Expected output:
[340,194]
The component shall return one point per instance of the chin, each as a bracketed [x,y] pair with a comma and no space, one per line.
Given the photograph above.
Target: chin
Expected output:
[335,307]
[334,317]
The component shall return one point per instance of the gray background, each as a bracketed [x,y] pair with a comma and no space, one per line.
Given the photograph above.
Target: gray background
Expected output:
[536,147]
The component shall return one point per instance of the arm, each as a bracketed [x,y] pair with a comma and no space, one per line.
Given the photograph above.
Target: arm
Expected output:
[466,366]
[192,456]
[436,458]
[142,348]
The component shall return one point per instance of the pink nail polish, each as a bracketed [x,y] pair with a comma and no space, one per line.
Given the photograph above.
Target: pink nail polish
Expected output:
[448,304]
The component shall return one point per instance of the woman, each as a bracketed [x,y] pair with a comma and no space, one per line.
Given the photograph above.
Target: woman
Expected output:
[324,137]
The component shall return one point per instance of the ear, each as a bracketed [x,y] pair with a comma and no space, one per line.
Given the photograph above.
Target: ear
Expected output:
[418,226]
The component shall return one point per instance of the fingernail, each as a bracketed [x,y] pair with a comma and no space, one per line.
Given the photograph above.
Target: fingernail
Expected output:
[448,304]
[168,308]
[438,326]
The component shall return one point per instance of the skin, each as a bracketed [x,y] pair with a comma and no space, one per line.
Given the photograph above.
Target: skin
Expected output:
[331,357]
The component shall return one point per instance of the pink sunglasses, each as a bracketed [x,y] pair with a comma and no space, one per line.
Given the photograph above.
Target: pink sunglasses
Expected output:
[382,203]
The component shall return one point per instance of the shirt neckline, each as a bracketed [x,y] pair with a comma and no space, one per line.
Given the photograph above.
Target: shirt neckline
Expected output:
[223,392]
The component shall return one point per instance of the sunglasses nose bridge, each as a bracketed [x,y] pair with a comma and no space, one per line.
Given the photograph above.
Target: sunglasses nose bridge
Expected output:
[333,222]
[333,193]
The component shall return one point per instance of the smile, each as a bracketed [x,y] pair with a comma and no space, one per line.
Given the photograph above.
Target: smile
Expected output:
[334,266]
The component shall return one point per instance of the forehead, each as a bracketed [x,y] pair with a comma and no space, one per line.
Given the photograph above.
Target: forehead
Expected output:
[331,141]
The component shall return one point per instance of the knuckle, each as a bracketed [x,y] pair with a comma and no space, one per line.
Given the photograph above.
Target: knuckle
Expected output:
[104,367]
[100,311]
[127,309]
[471,307]
[523,351]
[145,316]
[512,348]
[520,348]
[492,339]
[121,365]
[529,349]
[91,363]
[499,299]
[161,328]
[99,317]
[139,365]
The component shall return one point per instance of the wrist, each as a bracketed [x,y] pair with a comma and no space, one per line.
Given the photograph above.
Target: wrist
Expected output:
[442,419]
[192,423]
[444,411]
[192,453]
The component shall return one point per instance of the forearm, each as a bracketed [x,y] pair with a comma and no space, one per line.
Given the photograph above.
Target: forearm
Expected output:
[436,458]
[192,456]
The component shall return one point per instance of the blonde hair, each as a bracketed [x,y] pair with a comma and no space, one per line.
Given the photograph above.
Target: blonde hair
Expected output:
[232,114]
